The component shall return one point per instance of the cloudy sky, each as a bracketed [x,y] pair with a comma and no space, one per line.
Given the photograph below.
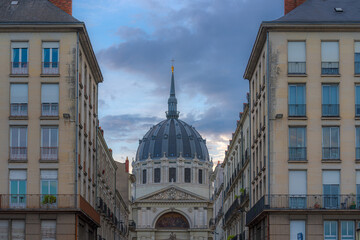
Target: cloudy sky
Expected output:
[135,40]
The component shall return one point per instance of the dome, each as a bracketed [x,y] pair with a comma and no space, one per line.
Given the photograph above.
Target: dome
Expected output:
[172,137]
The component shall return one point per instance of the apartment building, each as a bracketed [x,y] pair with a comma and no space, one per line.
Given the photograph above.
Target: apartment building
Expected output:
[236,180]
[304,95]
[48,118]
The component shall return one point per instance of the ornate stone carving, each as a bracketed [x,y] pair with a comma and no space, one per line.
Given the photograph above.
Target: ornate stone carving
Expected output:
[190,210]
[172,236]
[172,194]
[154,210]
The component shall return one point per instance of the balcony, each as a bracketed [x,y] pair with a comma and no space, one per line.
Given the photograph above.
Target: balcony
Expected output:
[19,68]
[49,109]
[50,68]
[49,153]
[296,67]
[18,153]
[297,110]
[303,202]
[330,110]
[297,153]
[18,109]
[237,204]
[331,153]
[330,68]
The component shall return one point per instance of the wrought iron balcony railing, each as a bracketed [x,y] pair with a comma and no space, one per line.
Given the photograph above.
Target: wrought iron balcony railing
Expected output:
[50,68]
[297,110]
[19,68]
[50,109]
[329,153]
[330,110]
[49,153]
[18,153]
[297,153]
[18,109]
[331,68]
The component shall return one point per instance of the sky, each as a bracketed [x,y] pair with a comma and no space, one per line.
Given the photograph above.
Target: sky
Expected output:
[135,41]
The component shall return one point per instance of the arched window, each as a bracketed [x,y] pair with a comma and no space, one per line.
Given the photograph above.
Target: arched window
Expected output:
[172,220]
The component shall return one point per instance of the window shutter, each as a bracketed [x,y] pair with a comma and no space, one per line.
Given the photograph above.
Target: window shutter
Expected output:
[18,229]
[19,93]
[17,174]
[49,174]
[330,51]
[297,182]
[48,229]
[50,44]
[19,44]
[49,93]
[296,52]
[357,177]
[297,227]
[331,177]
[4,232]
[357,47]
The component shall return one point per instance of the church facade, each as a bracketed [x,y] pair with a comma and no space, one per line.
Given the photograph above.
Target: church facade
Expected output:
[172,189]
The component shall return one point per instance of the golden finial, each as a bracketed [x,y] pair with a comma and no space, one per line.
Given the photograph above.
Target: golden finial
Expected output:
[172,65]
[172,68]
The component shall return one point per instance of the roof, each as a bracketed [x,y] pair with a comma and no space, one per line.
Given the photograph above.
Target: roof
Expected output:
[33,11]
[318,11]
[174,138]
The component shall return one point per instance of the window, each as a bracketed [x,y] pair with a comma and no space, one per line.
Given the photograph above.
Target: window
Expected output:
[49,143]
[331,189]
[297,143]
[49,185]
[17,229]
[50,99]
[347,230]
[330,230]
[144,176]
[187,175]
[157,175]
[172,174]
[297,100]
[357,142]
[330,58]
[297,230]
[330,100]
[50,58]
[357,100]
[19,57]
[200,176]
[18,188]
[18,143]
[48,230]
[357,57]
[330,143]
[358,189]
[296,57]
[18,99]
[297,189]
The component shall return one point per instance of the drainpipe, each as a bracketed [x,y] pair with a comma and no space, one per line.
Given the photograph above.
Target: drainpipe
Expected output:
[268,108]
[77,118]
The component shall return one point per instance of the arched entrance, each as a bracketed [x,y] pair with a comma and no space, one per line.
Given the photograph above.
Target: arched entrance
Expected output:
[172,226]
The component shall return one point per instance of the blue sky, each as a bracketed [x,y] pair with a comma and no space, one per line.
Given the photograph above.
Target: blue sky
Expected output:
[134,41]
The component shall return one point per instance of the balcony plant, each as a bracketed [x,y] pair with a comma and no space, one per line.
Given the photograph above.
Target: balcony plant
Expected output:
[317,205]
[49,199]
[230,237]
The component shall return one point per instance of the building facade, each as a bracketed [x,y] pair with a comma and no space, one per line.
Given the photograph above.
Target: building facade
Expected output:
[48,105]
[304,74]
[172,188]
[218,198]
[236,167]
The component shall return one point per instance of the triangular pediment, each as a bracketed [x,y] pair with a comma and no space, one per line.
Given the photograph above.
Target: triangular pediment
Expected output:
[172,193]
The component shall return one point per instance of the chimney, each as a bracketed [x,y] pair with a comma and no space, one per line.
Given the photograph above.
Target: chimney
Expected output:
[65,5]
[127,165]
[290,5]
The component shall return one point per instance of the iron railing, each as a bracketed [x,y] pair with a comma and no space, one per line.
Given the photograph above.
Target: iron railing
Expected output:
[330,68]
[18,153]
[36,201]
[50,109]
[330,153]
[297,153]
[19,68]
[357,153]
[357,110]
[49,153]
[18,109]
[296,67]
[238,202]
[330,110]
[297,110]
[50,68]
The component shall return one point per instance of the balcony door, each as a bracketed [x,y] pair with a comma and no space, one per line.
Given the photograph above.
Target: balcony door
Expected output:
[297,189]
[18,188]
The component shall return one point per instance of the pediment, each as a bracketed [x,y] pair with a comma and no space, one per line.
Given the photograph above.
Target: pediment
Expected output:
[172,193]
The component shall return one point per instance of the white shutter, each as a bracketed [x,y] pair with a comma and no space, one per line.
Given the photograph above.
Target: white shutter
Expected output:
[297,227]
[17,174]
[331,177]
[357,177]
[49,174]
[18,230]
[4,229]
[296,52]
[48,229]
[330,51]
[50,44]
[357,47]
[18,93]
[19,44]
[297,182]
[50,93]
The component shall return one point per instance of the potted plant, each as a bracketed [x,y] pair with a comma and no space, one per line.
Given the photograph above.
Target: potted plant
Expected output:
[316,205]
[353,205]
[49,199]
[230,237]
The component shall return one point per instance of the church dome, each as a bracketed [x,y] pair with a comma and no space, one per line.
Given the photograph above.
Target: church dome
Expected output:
[172,138]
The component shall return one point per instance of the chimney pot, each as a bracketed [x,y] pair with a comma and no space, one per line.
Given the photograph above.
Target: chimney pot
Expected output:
[65,5]
[290,5]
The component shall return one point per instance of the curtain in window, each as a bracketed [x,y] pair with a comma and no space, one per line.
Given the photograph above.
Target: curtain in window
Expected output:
[18,136]
[49,137]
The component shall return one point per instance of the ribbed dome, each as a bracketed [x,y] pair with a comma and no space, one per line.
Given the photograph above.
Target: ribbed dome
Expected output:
[172,137]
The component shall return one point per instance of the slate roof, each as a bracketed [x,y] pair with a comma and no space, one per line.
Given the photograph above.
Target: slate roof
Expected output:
[317,11]
[33,11]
